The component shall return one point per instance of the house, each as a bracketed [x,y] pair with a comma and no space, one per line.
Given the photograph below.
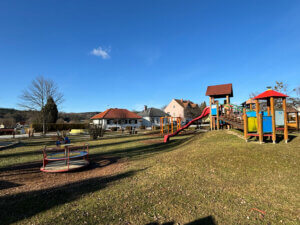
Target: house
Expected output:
[120,118]
[185,109]
[151,116]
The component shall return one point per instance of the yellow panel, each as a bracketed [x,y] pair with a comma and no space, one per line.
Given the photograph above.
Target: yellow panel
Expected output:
[252,124]
[77,131]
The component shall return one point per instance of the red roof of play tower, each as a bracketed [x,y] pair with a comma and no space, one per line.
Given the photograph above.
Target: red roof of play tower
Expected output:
[270,93]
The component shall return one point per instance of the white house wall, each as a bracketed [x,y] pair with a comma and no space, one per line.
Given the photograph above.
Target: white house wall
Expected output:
[104,124]
[147,121]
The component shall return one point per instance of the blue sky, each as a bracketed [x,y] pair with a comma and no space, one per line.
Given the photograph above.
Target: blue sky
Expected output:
[129,53]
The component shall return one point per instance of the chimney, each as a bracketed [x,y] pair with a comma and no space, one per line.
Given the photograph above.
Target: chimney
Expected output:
[145,108]
[181,100]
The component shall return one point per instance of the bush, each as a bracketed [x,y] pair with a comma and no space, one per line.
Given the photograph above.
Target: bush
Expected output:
[113,128]
[38,127]
[128,128]
[95,132]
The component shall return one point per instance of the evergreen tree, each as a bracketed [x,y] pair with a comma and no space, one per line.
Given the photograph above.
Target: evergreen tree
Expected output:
[50,110]
[202,107]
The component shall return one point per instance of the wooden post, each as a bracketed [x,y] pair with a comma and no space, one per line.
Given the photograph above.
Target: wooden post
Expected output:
[286,135]
[251,107]
[259,121]
[260,134]
[210,116]
[161,126]
[172,128]
[227,99]
[268,106]
[272,105]
[245,125]
[297,121]
[218,122]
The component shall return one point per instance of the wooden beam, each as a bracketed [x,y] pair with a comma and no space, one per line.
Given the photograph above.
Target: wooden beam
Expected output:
[272,105]
[286,135]
[251,107]
[245,125]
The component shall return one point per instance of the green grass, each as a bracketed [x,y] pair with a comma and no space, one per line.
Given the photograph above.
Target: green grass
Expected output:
[214,174]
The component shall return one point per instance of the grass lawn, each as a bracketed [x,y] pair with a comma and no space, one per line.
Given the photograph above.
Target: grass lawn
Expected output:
[211,178]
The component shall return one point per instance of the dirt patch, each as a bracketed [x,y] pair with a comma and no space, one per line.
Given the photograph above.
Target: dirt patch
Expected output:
[28,177]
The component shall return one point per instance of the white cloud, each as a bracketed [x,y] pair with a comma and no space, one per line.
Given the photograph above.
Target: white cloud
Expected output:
[101,52]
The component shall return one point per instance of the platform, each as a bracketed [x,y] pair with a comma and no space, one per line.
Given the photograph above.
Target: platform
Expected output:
[62,166]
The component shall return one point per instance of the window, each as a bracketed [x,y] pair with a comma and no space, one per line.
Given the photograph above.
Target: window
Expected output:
[135,121]
[173,106]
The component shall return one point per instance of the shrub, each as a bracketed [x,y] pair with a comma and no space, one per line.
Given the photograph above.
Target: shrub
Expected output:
[113,128]
[128,128]
[95,132]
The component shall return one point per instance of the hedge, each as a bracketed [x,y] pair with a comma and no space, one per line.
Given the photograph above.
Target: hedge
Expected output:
[38,127]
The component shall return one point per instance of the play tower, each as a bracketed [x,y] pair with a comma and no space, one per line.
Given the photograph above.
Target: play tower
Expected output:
[265,124]
[214,92]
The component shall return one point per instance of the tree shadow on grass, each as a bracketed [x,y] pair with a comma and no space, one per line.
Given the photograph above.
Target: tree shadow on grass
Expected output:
[119,153]
[209,220]
[39,151]
[14,208]
[37,141]
[140,151]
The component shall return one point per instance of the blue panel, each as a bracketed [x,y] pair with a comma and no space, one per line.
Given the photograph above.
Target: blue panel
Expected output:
[279,118]
[213,110]
[267,124]
[251,114]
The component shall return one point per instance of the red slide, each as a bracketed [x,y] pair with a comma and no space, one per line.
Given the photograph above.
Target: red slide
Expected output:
[205,112]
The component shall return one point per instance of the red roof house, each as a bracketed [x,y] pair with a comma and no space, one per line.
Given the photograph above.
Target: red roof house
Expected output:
[116,113]
[117,118]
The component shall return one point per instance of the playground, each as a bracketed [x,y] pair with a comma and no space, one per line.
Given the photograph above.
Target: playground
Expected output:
[214,176]
[243,171]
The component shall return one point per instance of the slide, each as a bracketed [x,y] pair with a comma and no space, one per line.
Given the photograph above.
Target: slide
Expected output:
[205,112]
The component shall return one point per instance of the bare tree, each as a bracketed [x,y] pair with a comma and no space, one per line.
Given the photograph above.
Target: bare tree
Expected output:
[36,95]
